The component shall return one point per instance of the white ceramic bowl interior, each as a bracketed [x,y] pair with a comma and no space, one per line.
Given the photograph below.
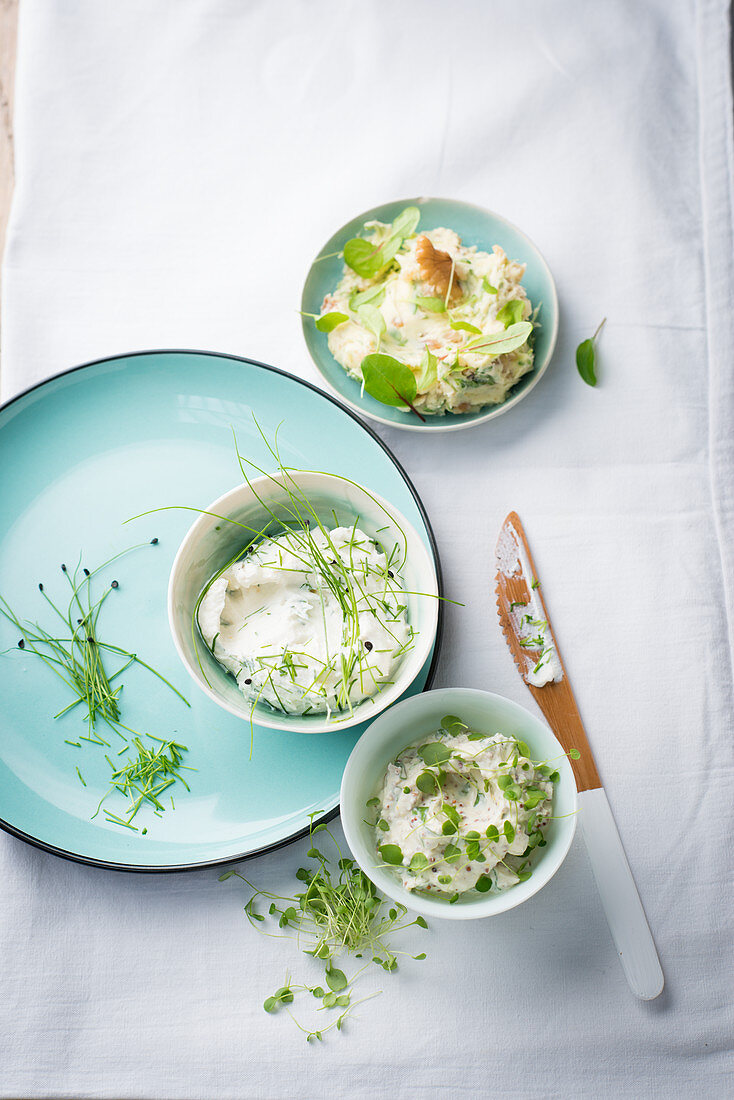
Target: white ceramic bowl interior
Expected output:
[415,718]
[213,540]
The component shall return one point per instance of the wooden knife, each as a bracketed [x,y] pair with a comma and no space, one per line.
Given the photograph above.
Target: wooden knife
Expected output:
[529,635]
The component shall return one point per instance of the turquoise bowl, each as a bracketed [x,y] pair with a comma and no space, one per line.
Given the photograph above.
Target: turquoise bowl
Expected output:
[414,718]
[475,226]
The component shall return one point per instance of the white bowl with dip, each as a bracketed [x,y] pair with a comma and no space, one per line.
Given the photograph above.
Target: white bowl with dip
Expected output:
[416,718]
[217,537]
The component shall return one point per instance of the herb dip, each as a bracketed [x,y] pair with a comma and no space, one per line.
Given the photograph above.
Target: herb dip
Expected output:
[463,811]
[312,621]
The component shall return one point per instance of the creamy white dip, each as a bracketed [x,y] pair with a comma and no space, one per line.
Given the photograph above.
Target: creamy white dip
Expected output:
[462,810]
[310,621]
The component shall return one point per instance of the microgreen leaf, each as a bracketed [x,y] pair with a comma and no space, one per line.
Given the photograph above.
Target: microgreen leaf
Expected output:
[418,862]
[406,222]
[511,312]
[391,853]
[383,825]
[464,326]
[368,259]
[373,295]
[329,321]
[488,286]
[509,830]
[444,880]
[372,320]
[427,783]
[500,343]
[336,979]
[434,752]
[388,380]
[586,357]
[430,305]
[483,884]
[452,724]
[452,854]
[373,801]
[574,754]
[492,833]
[421,921]
[451,813]
[428,372]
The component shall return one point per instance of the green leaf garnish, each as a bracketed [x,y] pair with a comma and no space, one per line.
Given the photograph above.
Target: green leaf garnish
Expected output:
[434,752]
[492,833]
[335,979]
[372,320]
[368,259]
[511,312]
[431,305]
[418,862]
[509,831]
[329,321]
[574,754]
[391,854]
[501,343]
[389,381]
[452,854]
[451,813]
[373,295]
[488,286]
[427,783]
[464,326]
[406,222]
[586,357]
[483,884]
[427,373]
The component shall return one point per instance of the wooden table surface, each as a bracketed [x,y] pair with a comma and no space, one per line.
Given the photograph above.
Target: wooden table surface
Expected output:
[8,37]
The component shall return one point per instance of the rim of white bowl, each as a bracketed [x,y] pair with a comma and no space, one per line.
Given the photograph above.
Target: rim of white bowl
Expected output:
[484,907]
[376,704]
[494,410]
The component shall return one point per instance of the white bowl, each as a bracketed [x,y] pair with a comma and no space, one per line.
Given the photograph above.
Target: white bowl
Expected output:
[212,541]
[414,718]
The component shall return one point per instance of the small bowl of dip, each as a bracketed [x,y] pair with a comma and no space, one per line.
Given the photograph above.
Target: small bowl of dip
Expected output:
[302,601]
[458,803]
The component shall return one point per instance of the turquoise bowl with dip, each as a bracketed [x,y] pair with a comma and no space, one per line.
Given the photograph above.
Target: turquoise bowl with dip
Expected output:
[475,226]
[416,718]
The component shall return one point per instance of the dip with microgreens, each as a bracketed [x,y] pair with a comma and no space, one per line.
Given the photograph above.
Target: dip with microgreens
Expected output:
[426,322]
[311,621]
[462,811]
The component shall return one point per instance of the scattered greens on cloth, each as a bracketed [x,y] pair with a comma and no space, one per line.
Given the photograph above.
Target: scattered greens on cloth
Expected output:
[586,357]
[339,912]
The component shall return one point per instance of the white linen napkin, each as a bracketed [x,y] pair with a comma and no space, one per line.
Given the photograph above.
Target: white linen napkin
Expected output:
[178,166]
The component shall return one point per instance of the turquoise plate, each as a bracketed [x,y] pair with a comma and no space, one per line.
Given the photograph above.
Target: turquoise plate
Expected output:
[475,226]
[80,454]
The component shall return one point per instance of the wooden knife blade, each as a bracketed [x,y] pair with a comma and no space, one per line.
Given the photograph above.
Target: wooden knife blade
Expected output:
[525,623]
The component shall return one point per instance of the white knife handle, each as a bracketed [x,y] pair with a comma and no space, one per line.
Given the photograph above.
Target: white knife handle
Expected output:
[619,897]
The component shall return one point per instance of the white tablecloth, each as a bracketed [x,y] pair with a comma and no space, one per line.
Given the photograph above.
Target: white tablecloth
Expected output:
[173,158]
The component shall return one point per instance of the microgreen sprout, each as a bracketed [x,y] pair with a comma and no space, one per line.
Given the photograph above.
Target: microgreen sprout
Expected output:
[91,668]
[338,913]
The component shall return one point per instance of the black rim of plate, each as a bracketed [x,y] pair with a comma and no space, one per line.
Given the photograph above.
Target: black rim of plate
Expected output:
[330,814]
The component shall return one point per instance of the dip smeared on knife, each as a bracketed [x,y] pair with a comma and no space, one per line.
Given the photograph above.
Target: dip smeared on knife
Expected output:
[311,621]
[463,810]
[541,663]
